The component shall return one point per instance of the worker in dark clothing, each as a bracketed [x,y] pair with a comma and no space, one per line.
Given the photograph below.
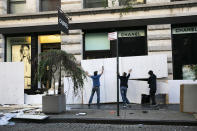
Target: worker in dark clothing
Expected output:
[152,85]
[123,86]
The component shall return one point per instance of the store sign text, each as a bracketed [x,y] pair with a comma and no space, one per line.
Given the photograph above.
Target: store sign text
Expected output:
[184,30]
[134,33]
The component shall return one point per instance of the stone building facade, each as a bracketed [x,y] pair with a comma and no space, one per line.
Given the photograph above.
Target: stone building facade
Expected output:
[156,17]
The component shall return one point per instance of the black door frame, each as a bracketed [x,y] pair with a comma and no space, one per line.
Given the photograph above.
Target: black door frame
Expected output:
[172,45]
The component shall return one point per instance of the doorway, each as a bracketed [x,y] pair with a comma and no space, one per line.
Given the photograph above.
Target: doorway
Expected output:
[184,52]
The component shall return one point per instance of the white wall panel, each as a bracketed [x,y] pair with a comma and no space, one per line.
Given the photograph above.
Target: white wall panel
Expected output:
[108,80]
[136,89]
[174,89]
[142,64]
[91,66]
[11,83]
[71,98]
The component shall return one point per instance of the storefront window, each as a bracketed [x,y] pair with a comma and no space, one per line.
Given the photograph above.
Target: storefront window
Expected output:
[96,41]
[178,0]
[19,50]
[96,45]
[184,52]
[126,2]
[17,6]
[131,43]
[95,3]
[49,5]
[47,42]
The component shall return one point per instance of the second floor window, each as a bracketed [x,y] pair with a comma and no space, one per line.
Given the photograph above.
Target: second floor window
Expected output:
[16,6]
[49,5]
[126,2]
[178,0]
[95,3]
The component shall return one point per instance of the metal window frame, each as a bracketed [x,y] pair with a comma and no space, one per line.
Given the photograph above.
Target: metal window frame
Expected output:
[41,7]
[13,1]
[128,0]
[85,4]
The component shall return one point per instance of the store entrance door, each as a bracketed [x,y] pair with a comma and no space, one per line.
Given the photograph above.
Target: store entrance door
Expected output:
[184,52]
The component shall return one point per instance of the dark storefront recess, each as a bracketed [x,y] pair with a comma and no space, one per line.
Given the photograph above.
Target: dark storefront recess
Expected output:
[128,46]
[34,54]
[184,46]
[49,46]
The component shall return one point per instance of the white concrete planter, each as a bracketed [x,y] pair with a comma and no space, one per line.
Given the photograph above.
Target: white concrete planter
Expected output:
[53,104]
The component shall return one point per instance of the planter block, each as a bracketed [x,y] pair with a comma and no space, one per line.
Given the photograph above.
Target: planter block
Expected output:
[53,104]
[188,98]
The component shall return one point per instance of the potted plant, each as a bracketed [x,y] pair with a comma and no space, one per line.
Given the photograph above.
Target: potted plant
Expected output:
[51,66]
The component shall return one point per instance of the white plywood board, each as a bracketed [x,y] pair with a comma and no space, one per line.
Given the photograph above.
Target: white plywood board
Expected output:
[108,89]
[140,66]
[162,88]
[71,98]
[33,99]
[91,66]
[30,116]
[11,83]
[110,80]
[136,89]
[174,89]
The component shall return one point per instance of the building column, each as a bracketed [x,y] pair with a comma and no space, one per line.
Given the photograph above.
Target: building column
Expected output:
[32,6]
[160,42]
[71,4]
[3,11]
[3,7]
[2,43]
[157,1]
[72,43]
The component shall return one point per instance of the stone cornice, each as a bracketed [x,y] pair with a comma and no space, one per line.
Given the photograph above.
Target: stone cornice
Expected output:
[89,11]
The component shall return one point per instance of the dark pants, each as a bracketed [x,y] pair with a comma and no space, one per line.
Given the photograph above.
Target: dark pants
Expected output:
[97,90]
[152,96]
[123,91]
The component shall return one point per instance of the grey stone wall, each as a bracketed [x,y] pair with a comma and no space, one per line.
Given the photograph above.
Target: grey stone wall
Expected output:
[3,11]
[159,42]
[72,43]
[71,4]
[156,1]
[32,6]
[3,7]
[2,42]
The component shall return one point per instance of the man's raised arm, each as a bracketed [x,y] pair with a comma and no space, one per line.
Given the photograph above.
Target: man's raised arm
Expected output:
[102,70]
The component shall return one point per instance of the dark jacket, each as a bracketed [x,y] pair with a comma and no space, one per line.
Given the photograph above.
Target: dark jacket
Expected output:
[124,80]
[152,82]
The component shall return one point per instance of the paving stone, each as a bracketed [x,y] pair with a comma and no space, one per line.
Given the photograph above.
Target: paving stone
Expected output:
[91,127]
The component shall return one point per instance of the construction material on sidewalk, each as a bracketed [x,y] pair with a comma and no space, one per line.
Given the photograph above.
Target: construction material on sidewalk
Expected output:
[26,113]
[4,118]
[30,116]
[188,98]
[81,114]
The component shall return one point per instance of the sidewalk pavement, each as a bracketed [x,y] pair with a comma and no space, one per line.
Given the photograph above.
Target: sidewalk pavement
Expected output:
[133,114]
[129,115]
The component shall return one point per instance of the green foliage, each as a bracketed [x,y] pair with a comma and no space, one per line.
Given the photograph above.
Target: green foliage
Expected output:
[194,67]
[54,61]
